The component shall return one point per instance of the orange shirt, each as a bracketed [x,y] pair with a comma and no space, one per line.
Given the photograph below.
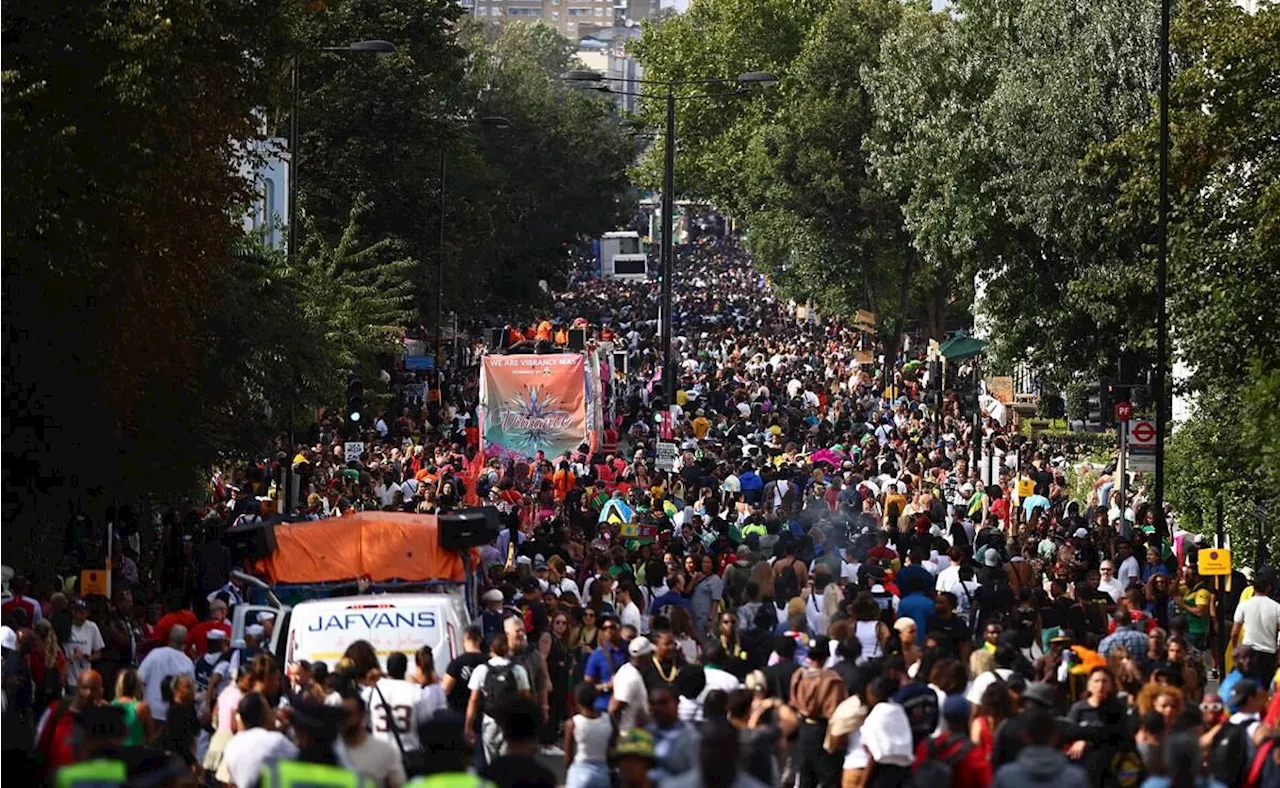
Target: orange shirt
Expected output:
[544,331]
[563,482]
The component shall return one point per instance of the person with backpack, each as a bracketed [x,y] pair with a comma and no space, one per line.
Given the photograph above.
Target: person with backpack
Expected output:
[950,758]
[492,686]
[1233,747]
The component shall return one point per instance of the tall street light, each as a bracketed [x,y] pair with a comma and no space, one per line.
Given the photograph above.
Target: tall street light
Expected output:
[1162,398]
[376,47]
[597,81]
[495,122]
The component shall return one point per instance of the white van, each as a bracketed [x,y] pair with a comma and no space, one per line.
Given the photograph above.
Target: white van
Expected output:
[321,630]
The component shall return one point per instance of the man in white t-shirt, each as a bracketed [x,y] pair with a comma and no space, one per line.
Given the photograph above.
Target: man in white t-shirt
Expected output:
[497,677]
[628,611]
[84,645]
[399,704]
[1108,581]
[370,756]
[1256,625]
[630,699]
[257,744]
[162,662]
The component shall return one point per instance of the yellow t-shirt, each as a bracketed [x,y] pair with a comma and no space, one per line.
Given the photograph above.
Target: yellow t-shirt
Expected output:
[701,426]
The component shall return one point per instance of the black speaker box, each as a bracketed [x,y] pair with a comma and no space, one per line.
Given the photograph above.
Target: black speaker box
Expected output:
[577,339]
[256,540]
[466,528]
[497,338]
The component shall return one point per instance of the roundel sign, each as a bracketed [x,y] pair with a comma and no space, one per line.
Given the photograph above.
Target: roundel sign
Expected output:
[1142,433]
[1124,411]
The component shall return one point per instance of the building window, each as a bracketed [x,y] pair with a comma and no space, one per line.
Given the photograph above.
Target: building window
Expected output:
[579,12]
[524,12]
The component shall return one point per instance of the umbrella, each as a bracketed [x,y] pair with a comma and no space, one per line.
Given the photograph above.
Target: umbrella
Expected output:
[615,510]
[960,348]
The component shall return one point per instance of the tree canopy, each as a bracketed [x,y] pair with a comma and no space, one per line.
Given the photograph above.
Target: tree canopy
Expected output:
[148,337]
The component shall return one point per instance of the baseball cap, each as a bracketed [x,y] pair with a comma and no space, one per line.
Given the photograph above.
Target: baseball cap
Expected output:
[1241,692]
[1042,693]
[991,557]
[492,595]
[635,744]
[641,647]
[1081,534]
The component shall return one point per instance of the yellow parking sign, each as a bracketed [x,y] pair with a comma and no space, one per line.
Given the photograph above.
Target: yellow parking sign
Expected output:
[1026,488]
[1214,561]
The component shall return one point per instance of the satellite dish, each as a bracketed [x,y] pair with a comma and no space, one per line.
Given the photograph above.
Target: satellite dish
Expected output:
[543,286]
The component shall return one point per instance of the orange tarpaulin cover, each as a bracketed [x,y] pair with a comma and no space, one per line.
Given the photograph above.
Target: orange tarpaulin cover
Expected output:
[380,545]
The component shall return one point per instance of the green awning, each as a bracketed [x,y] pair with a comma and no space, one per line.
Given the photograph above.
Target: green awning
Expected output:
[960,348]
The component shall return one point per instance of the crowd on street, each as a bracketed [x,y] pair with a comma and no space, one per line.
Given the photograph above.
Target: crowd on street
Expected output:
[834,594]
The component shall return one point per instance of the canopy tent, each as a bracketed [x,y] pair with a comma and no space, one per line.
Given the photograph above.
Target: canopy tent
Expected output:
[960,348]
[382,546]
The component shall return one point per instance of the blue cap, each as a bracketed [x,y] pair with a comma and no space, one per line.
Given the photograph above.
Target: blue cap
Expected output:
[956,706]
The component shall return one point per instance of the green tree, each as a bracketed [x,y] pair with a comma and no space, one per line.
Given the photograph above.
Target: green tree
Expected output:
[122,189]
[984,117]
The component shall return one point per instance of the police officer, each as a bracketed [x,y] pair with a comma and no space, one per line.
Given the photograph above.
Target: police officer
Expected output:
[315,727]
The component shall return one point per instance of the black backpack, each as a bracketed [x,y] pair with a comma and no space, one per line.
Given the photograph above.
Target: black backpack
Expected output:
[499,687]
[933,771]
[1229,754]
[922,714]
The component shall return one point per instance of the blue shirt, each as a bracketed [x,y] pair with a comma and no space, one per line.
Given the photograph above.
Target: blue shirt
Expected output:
[918,608]
[667,600]
[598,668]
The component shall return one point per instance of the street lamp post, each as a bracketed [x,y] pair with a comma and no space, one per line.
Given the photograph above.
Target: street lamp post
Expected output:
[598,81]
[377,47]
[499,123]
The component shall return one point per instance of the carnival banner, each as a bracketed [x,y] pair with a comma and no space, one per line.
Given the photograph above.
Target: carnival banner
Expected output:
[532,403]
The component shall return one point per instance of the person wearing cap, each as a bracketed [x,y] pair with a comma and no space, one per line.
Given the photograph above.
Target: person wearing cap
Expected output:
[968,766]
[635,756]
[492,614]
[212,667]
[629,704]
[252,647]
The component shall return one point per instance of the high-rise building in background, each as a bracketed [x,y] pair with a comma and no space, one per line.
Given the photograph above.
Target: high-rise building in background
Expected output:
[574,19]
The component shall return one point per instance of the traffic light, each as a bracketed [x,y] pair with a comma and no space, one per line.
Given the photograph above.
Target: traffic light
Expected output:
[355,400]
[1107,402]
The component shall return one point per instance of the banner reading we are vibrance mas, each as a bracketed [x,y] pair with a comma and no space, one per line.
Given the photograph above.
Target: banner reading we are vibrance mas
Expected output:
[531,403]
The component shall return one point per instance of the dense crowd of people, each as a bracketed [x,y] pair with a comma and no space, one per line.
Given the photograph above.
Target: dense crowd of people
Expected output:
[833,595]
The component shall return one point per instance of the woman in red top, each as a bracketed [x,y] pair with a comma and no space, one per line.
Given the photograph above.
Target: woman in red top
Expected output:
[996,707]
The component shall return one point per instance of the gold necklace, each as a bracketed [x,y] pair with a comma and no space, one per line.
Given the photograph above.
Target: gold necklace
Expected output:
[668,678]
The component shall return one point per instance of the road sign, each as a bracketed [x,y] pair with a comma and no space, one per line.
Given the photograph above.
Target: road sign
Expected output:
[1214,561]
[1026,488]
[1142,435]
[1124,411]
[352,450]
[668,453]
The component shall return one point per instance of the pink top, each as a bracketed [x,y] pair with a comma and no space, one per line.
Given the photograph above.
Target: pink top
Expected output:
[228,701]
